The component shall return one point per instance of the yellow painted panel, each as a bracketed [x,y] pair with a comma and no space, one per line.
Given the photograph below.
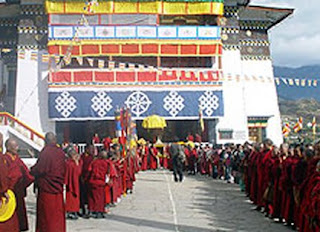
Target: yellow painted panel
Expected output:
[150,7]
[75,7]
[174,8]
[125,7]
[54,7]
[199,8]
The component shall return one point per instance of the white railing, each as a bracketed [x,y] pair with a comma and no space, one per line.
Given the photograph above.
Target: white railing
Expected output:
[82,147]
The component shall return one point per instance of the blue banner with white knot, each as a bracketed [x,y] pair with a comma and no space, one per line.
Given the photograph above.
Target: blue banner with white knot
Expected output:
[70,104]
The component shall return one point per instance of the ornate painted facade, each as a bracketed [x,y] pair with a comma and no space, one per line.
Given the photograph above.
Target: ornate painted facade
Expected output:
[79,60]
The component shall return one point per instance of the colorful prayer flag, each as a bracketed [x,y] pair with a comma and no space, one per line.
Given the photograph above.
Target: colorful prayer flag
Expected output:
[286,130]
[90,61]
[314,126]
[34,56]
[111,64]
[315,83]
[299,125]
[290,81]
[67,60]
[284,80]
[22,54]
[201,122]
[45,58]
[80,60]
[132,66]
[101,63]
[57,59]
[122,65]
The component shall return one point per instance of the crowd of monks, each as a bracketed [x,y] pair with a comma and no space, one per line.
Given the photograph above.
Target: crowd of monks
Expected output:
[284,182]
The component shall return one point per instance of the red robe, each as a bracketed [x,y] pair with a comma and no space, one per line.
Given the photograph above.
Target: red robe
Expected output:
[97,181]
[130,172]
[203,163]
[13,223]
[50,171]
[84,186]
[19,179]
[144,153]
[117,186]
[153,158]
[112,173]
[106,143]
[72,185]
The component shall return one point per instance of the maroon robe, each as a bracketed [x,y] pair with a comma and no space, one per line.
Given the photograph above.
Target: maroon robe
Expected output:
[144,153]
[112,173]
[130,172]
[254,176]
[19,179]
[13,223]
[117,186]
[72,185]
[84,186]
[153,158]
[97,182]
[50,171]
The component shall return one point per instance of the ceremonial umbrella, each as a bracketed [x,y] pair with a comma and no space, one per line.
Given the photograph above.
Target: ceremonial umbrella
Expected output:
[7,209]
[154,122]
[155,125]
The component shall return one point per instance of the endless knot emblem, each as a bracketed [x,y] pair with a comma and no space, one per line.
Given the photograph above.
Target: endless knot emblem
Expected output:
[101,103]
[65,104]
[209,102]
[138,102]
[173,103]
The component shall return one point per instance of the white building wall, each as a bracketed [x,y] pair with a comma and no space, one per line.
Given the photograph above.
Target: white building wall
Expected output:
[31,104]
[261,97]
[234,104]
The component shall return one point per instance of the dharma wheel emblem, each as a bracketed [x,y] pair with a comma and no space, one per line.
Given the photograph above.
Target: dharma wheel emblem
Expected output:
[138,102]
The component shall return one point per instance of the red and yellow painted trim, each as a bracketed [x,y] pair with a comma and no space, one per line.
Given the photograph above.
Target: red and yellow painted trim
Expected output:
[137,48]
[152,7]
[132,76]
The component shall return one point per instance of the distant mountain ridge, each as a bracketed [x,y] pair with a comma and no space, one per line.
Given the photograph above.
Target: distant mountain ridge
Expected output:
[298,92]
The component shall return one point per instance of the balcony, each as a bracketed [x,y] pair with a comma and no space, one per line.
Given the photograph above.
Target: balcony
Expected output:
[134,76]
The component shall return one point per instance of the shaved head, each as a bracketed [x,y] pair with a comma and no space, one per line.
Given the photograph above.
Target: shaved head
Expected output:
[12,146]
[50,138]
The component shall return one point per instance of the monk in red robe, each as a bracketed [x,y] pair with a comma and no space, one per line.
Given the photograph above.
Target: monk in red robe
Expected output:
[13,223]
[153,158]
[106,143]
[97,182]
[130,173]
[74,166]
[144,153]
[112,174]
[86,158]
[165,157]
[19,179]
[50,171]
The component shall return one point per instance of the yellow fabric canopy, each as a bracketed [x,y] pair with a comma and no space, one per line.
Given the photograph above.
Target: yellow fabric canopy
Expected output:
[154,122]
[156,7]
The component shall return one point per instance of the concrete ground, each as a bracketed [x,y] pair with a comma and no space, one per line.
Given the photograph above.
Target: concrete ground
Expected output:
[158,204]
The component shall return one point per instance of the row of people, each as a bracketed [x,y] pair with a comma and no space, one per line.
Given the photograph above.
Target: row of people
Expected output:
[94,183]
[91,182]
[285,183]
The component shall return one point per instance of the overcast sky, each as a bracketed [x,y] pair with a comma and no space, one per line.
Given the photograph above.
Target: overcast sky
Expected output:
[296,41]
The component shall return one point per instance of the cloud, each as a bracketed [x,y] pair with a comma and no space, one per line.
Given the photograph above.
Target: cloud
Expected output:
[296,41]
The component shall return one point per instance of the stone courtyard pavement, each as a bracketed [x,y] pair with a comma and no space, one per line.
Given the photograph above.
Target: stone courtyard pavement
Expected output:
[158,204]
